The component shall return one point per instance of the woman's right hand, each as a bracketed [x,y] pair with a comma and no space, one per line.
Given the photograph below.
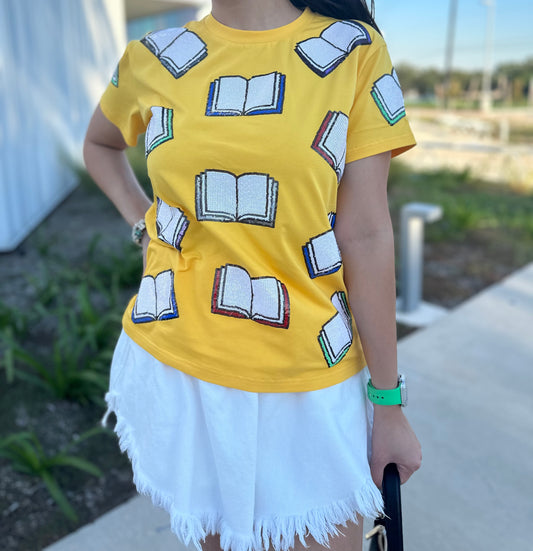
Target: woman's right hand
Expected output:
[393,441]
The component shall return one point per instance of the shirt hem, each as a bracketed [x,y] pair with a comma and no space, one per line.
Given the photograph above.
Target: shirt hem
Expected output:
[334,376]
[396,145]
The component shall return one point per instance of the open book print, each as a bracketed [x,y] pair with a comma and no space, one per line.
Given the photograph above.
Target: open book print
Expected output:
[236,95]
[336,335]
[388,96]
[171,224]
[261,299]
[324,53]
[178,49]
[322,255]
[159,129]
[250,198]
[330,140]
[156,300]
[114,78]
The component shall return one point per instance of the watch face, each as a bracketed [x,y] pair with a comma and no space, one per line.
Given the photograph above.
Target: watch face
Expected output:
[403,389]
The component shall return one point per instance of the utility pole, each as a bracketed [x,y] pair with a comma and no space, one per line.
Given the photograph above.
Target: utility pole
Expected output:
[448,60]
[486,89]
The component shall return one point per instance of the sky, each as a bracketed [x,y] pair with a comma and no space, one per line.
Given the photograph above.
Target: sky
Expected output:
[416,31]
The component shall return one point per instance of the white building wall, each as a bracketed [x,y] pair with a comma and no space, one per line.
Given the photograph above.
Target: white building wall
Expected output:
[56,57]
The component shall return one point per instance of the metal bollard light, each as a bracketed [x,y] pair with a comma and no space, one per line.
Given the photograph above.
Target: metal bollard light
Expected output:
[413,218]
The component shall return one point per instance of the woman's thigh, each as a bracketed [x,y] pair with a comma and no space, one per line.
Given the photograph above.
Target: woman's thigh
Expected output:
[350,538]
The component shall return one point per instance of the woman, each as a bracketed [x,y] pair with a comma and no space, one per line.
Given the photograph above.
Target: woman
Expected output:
[239,382]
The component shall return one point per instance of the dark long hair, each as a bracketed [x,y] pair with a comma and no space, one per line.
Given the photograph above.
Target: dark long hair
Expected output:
[341,9]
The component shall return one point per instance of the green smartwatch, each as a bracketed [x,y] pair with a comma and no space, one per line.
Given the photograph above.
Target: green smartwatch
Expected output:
[392,397]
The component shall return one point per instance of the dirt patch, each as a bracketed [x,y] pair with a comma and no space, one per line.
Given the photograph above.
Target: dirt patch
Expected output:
[29,517]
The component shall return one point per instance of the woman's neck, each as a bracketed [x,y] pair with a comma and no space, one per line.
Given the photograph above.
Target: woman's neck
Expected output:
[254,15]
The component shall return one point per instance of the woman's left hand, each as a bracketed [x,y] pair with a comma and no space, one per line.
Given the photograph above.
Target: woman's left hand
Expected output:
[393,441]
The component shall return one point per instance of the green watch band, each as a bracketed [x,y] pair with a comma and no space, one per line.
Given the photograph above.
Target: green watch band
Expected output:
[392,397]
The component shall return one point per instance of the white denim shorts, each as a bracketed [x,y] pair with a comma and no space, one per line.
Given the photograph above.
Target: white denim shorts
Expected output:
[256,468]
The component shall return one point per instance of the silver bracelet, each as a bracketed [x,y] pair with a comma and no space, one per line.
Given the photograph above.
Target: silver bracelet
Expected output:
[137,232]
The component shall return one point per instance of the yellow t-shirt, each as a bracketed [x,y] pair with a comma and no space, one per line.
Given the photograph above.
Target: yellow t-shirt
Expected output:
[246,135]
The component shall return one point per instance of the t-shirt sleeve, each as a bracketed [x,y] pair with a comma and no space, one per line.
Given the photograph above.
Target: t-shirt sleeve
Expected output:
[377,121]
[120,101]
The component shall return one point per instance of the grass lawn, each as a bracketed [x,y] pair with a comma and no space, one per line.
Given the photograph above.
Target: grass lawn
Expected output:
[471,208]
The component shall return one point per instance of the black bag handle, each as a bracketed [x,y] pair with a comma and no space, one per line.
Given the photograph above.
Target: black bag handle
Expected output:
[392,521]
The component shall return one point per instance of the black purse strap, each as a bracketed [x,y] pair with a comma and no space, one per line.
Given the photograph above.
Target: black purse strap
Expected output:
[387,534]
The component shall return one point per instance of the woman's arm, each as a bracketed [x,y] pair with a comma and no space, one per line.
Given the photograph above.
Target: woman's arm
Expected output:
[106,161]
[364,233]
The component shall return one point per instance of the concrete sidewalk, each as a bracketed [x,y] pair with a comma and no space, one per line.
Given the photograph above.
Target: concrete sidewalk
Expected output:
[470,380]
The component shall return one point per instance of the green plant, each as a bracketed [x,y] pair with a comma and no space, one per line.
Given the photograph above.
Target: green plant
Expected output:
[47,285]
[97,327]
[104,271]
[469,204]
[13,319]
[26,454]
[80,312]
[122,270]
[13,325]
[68,373]
[55,277]
[8,350]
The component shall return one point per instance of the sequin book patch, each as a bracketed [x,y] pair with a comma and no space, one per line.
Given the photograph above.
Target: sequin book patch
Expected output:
[178,49]
[235,95]
[336,335]
[330,141]
[156,300]
[159,129]
[250,198]
[388,96]
[322,255]
[171,224]
[324,53]
[261,299]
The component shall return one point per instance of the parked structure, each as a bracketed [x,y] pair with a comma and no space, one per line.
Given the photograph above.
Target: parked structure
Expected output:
[57,58]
